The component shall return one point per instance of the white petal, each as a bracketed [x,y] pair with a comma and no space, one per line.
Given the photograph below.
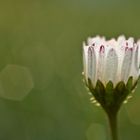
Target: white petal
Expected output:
[126,67]
[85,60]
[138,43]
[120,54]
[135,67]
[96,41]
[101,63]
[92,65]
[136,57]
[130,42]
[121,39]
[111,66]
[112,42]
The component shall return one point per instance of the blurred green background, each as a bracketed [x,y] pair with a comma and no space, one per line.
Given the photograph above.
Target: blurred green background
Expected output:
[42,96]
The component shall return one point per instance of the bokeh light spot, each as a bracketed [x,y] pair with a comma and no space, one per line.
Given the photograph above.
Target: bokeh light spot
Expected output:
[15,82]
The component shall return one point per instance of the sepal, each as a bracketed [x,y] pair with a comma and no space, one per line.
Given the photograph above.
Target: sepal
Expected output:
[110,97]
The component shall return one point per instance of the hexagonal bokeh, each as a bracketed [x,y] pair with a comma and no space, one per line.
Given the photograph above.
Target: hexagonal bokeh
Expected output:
[96,132]
[15,82]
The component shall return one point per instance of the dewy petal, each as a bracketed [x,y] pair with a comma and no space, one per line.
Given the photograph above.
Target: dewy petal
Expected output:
[111,66]
[126,67]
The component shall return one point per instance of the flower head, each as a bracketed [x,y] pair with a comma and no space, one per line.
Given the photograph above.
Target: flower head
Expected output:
[111,62]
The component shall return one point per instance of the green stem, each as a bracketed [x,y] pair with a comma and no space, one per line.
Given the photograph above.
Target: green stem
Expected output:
[112,117]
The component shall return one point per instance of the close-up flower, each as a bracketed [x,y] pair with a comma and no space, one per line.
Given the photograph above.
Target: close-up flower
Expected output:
[111,70]
[111,60]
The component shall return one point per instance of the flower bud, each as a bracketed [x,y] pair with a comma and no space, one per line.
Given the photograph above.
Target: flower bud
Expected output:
[111,68]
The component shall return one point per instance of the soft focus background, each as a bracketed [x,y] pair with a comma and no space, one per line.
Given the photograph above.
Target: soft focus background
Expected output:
[42,96]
